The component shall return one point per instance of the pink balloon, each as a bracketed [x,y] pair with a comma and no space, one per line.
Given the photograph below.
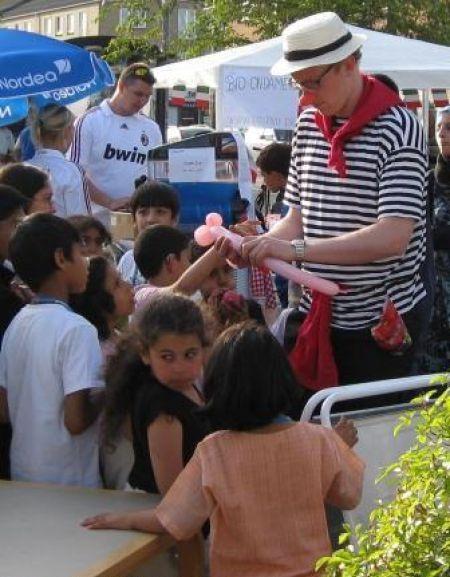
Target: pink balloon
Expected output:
[203,236]
[213,219]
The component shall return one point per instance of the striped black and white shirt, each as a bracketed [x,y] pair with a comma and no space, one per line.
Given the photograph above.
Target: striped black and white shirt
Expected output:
[386,177]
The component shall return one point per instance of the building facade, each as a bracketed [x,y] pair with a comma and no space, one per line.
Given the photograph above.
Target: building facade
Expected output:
[68,19]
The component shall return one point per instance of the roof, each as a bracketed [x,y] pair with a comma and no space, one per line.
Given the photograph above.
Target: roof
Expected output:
[411,63]
[11,9]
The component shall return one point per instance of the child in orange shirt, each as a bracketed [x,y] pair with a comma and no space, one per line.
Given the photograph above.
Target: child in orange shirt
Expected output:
[263,480]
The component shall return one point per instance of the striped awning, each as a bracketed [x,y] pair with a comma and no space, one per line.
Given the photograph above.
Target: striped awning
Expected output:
[439,97]
[179,95]
[411,97]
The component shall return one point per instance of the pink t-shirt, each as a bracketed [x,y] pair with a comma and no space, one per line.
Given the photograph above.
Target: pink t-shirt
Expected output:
[143,293]
[264,495]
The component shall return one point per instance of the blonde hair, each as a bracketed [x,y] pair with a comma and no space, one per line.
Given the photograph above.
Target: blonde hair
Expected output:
[48,123]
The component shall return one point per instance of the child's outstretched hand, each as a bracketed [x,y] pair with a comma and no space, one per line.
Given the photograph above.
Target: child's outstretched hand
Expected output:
[347,431]
[107,521]
[246,228]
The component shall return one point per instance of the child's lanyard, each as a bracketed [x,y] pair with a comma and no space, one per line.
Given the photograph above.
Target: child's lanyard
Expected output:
[281,420]
[136,278]
[45,300]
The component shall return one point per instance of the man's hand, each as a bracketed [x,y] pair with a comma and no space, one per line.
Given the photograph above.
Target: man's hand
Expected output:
[256,250]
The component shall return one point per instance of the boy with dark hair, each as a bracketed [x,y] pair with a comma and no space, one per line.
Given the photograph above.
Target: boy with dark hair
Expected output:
[152,203]
[12,206]
[51,360]
[273,164]
[162,254]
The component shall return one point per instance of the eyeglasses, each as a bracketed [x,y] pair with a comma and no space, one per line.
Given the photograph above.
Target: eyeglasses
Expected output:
[311,84]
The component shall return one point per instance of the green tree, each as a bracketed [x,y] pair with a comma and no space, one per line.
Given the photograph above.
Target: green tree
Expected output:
[410,536]
[143,33]
[215,27]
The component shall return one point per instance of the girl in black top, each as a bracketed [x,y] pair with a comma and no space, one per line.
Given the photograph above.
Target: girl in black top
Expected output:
[152,379]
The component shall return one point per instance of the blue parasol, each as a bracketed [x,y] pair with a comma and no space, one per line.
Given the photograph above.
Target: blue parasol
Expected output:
[32,64]
[103,78]
[12,110]
[47,70]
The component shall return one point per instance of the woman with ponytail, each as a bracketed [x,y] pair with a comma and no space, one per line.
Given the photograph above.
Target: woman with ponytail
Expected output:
[52,131]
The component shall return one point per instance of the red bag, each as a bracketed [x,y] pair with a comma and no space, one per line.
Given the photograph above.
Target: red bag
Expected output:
[312,357]
[391,333]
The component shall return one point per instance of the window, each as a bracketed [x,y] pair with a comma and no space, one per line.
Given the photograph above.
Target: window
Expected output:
[27,26]
[48,26]
[82,24]
[123,15]
[70,24]
[185,17]
[139,18]
[59,25]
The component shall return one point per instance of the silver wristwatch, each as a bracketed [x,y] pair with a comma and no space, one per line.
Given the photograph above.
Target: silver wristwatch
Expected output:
[299,247]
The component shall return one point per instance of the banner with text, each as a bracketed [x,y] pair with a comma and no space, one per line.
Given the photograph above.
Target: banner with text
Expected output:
[253,97]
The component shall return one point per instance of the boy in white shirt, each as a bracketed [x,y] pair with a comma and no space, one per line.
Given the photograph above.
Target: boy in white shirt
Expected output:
[50,361]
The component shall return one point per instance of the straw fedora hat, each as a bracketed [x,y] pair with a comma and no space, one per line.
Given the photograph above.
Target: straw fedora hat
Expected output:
[316,40]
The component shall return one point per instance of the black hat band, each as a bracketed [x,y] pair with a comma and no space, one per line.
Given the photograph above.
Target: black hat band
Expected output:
[296,55]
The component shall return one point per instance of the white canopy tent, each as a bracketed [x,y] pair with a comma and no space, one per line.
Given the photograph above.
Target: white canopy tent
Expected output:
[241,75]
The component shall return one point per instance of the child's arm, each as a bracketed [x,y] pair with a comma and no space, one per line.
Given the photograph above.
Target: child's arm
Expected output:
[165,444]
[181,513]
[81,409]
[145,521]
[192,278]
[347,471]
[81,368]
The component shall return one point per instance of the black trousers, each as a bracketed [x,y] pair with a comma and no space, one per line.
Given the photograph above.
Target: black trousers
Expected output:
[5,443]
[360,360]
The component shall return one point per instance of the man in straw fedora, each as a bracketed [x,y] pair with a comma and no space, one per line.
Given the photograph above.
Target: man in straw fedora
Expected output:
[356,196]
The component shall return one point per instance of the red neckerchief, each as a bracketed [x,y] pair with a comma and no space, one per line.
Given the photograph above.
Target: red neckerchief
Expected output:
[375,99]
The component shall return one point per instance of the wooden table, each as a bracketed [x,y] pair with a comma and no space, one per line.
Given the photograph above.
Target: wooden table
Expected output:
[40,533]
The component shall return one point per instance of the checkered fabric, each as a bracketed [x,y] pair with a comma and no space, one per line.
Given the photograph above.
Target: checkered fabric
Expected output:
[262,287]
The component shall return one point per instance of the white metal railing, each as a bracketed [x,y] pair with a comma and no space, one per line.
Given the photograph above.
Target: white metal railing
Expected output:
[348,392]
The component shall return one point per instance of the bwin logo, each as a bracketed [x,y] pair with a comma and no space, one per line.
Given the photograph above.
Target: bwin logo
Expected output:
[125,155]
[63,65]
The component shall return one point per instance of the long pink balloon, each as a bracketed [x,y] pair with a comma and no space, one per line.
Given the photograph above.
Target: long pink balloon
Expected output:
[206,234]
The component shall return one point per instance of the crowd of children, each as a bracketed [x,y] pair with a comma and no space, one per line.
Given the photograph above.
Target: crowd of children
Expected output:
[154,374]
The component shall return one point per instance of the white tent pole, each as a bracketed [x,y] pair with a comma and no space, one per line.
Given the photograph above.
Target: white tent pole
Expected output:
[218,107]
[426,112]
